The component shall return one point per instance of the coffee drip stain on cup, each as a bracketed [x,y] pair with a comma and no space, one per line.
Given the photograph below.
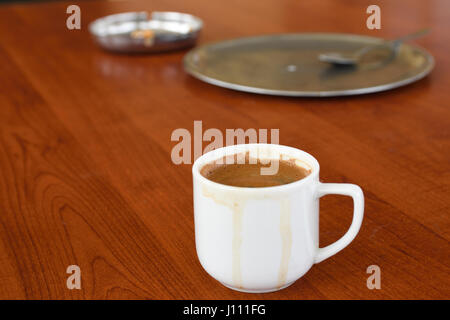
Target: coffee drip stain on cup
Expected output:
[236,202]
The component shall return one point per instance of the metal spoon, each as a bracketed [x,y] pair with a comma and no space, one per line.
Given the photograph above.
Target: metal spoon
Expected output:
[352,58]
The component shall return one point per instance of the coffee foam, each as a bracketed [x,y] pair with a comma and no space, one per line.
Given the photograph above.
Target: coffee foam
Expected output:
[255,156]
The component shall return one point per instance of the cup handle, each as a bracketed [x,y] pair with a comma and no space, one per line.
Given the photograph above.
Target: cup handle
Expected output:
[346,189]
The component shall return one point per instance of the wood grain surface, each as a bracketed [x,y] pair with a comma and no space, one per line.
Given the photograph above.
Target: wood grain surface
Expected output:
[86,176]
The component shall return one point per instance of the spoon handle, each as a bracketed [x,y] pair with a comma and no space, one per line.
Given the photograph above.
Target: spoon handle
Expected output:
[410,36]
[394,44]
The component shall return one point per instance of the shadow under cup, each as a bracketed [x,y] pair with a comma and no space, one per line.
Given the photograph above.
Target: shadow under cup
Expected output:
[256,239]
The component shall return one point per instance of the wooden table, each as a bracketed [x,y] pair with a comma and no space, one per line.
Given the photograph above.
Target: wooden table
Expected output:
[86,176]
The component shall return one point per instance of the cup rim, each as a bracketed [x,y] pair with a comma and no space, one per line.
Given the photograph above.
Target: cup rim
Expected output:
[237,148]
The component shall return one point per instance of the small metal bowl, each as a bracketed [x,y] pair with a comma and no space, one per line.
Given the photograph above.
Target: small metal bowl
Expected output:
[134,32]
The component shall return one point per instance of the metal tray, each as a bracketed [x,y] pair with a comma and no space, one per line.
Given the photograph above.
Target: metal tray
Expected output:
[135,32]
[287,65]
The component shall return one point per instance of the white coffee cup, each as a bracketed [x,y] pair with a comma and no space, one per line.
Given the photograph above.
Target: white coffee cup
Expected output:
[264,239]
